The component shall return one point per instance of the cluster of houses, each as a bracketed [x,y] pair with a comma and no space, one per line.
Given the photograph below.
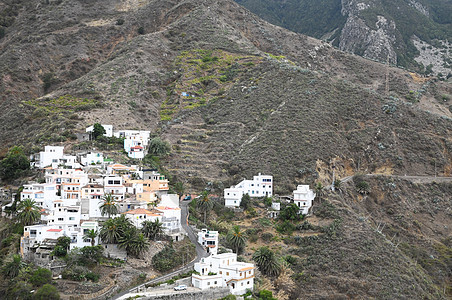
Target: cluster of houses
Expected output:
[75,187]
[262,186]
[135,141]
[221,270]
[73,190]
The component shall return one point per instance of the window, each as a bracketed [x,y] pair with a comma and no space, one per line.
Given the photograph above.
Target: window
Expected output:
[208,283]
[214,282]
[71,218]
[227,273]
[60,219]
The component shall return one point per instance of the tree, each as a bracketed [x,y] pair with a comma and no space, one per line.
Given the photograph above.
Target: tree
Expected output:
[157,147]
[41,276]
[47,292]
[337,185]
[62,246]
[12,266]
[266,295]
[14,165]
[19,290]
[133,241]
[109,207]
[319,189]
[204,204]
[236,238]
[91,255]
[267,262]
[91,235]
[245,202]
[28,212]
[152,229]
[98,131]
[179,189]
[113,229]
[64,241]
[290,212]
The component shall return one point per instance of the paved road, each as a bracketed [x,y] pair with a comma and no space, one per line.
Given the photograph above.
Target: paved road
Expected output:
[200,253]
[413,178]
[161,292]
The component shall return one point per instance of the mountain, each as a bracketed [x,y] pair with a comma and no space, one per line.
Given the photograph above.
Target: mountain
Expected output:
[234,96]
[408,33]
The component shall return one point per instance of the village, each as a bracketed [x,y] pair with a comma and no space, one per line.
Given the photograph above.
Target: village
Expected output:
[81,192]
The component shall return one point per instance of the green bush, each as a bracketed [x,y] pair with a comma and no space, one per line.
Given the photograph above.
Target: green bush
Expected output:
[267,237]
[47,292]
[166,259]
[14,165]
[285,227]
[76,273]
[40,277]
[92,276]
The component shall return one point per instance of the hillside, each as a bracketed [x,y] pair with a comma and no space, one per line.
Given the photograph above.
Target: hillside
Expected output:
[260,99]
[412,34]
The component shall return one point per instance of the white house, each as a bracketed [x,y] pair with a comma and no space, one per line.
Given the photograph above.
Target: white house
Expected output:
[108,129]
[225,271]
[209,240]
[92,158]
[260,186]
[36,235]
[51,154]
[114,185]
[42,193]
[303,197]
[136,152]
[139,215]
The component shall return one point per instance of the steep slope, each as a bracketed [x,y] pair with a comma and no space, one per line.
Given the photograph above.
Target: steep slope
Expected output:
[260,98]
[412,34]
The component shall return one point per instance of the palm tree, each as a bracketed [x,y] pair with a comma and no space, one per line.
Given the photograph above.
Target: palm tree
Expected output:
[109,207]
[236,238]
[139,244]
[267,262]
[319,191]
[133,241]
[28,212]
[112,229]
[179,189]
[205,204]
[152,229]
[91,235]
[13,266]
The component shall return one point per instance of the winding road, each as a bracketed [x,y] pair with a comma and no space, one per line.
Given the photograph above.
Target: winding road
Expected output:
[200,253]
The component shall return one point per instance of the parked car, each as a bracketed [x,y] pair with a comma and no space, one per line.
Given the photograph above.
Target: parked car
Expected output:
[181,287]
[188,197]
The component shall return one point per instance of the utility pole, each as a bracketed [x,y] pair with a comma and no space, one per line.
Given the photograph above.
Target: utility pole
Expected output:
[332,185]
[387,76]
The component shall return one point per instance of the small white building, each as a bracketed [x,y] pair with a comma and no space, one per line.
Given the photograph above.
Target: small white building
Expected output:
[274,211]
[223,270]
[92,158]
[51,154]
[209,240]
[139,215]
[42,193]
[114,185]
[108,130]
[260,186]
[303,197]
